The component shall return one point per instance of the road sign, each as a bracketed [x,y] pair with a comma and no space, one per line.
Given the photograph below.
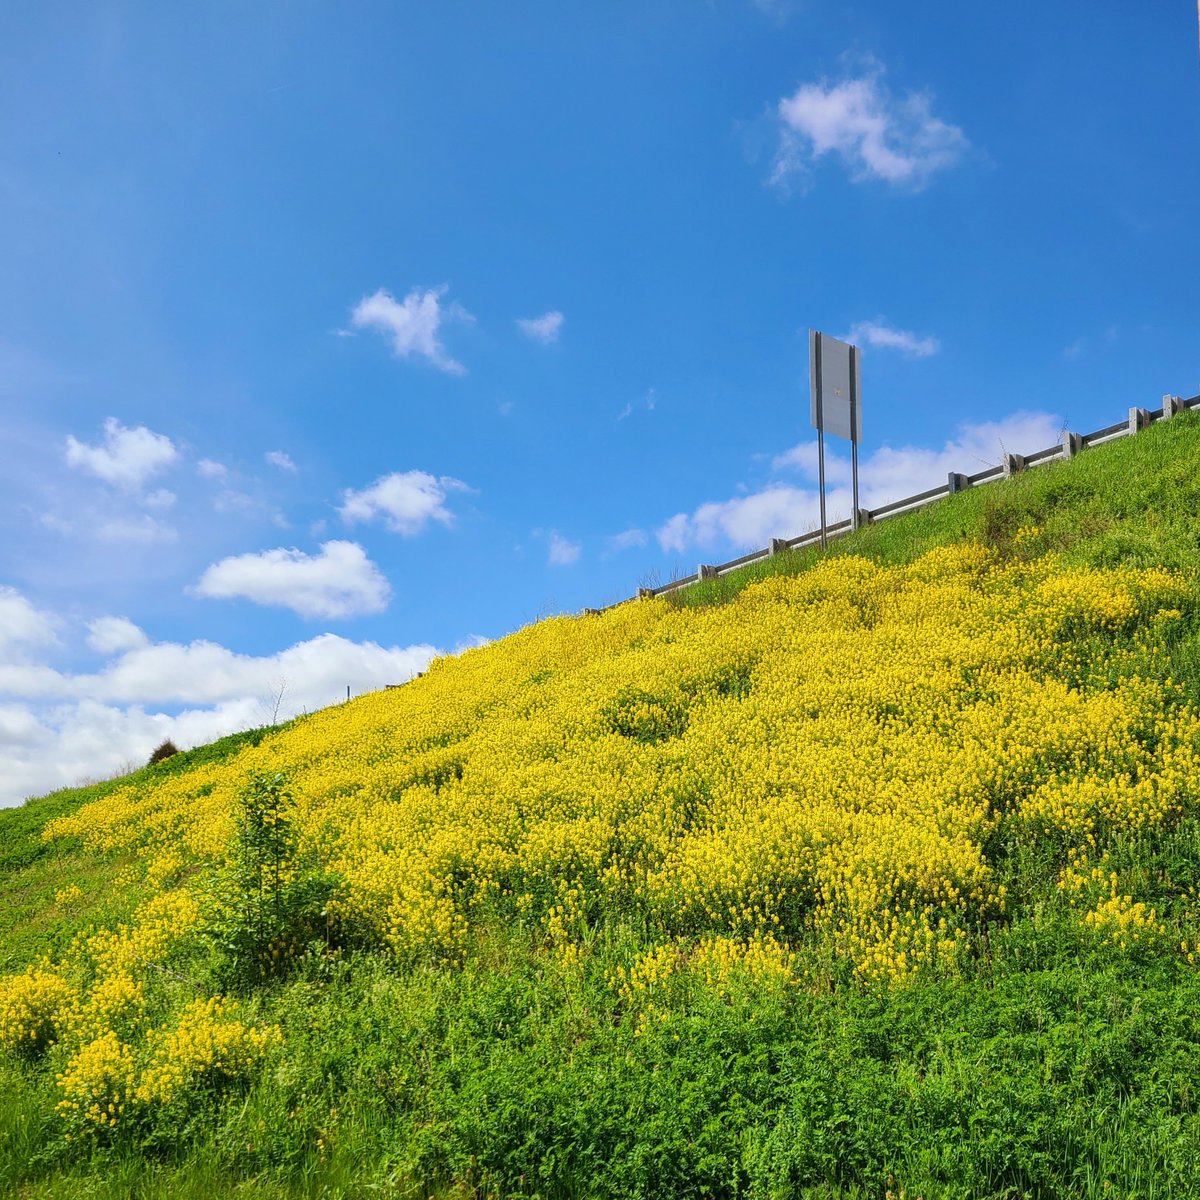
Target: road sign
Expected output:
[835,399]
[835,406]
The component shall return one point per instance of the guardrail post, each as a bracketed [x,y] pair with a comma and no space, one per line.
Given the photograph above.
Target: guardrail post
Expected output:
[1013,463]
[862,516]
[776,546]
[1072,444]
[645,594]
[1171,406]
[704,571]
[1139,418]
[957,482]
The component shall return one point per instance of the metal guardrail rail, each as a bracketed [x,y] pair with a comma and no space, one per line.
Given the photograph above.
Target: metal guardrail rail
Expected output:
[1070,445]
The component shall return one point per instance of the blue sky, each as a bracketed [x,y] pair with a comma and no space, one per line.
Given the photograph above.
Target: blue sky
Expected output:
[334,336]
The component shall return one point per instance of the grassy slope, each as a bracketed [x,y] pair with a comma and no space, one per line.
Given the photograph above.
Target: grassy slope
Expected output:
[40,911]
[1058,1066]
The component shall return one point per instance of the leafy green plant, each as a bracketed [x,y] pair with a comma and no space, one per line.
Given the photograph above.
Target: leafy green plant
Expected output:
[269,900]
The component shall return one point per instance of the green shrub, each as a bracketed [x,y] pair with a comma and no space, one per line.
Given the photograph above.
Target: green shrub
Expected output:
[268,903]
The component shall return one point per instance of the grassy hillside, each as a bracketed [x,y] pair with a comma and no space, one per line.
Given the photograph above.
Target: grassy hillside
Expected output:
[867,872]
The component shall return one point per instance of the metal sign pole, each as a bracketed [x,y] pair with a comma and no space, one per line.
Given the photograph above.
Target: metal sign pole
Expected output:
[854,484]
[820,435]
[854,435]
[821,479]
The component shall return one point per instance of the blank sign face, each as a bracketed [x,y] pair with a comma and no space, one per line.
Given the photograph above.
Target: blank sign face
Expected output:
[835,398]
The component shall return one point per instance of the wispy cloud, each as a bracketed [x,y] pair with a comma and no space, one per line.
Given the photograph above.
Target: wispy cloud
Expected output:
[647,403]
[144,529]
[777,11]
[880,334]
[562,551]
[406,501]
[413,325]
[87,526]
[277,458]
[126,457]
[627,539]
[1082,346]
[544,329]
[875,134]
[340,581]
[160,498]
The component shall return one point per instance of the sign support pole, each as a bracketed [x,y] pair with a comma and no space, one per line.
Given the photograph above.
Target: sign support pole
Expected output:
[821,479]
[854,435]
[820,438]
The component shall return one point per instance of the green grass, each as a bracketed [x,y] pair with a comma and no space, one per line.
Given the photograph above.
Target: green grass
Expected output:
[1053,1065]
[1062,1069]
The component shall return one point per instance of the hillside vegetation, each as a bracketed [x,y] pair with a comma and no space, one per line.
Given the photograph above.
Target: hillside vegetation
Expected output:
[866,873]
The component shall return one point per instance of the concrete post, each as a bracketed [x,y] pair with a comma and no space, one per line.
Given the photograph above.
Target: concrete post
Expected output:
[1072,444]
[776,546]
[1013,463]
[957,482]
[1171,406]
[645,594]
[1139,418]
[862,517]
[704,571]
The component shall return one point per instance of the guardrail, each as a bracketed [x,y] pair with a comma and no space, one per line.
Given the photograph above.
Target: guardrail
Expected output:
[1070,445]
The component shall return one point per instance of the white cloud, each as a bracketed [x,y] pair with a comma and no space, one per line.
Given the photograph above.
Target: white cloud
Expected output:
[471,642]
[406,501]
[876,135]
[562,551]
[803,458]
[341,581]
[784,510]
[544,329]
[61,728]
[895,473]
[112,635]
[203,672]
[743,522]
[209,469]
[675,532]
[21,625]
[277,458]
[880,334]
[126,458]
[413,324]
